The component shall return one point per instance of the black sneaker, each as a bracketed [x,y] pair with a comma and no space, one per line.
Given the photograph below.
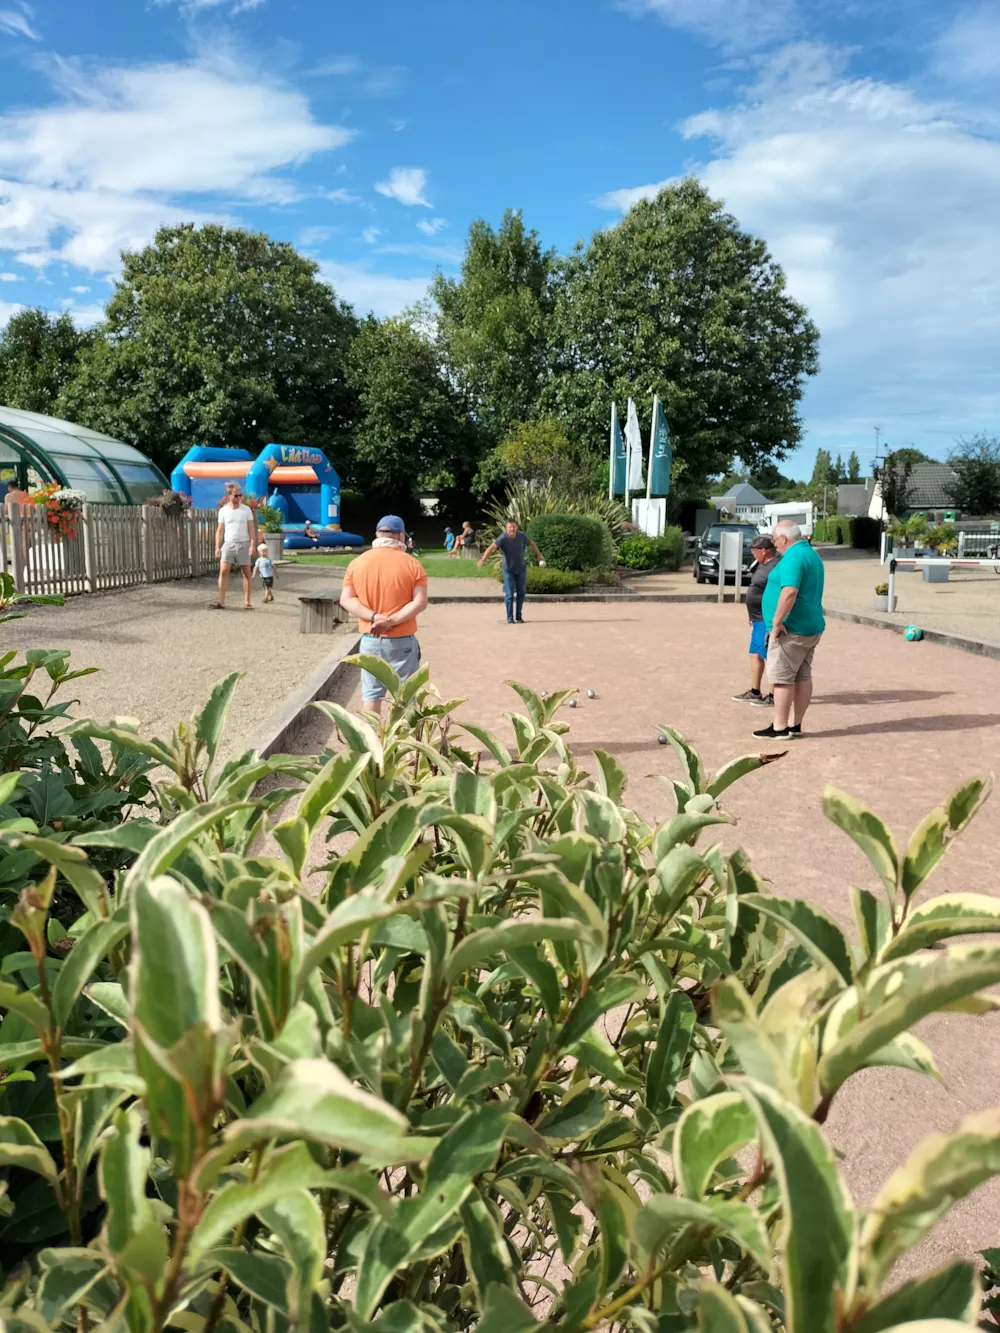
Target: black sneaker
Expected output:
[510,620]
[519,621]
[747,697]
[763,701]
[768,733]
[795,730]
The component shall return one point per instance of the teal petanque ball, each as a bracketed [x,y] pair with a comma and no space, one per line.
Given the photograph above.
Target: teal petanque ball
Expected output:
[913,633]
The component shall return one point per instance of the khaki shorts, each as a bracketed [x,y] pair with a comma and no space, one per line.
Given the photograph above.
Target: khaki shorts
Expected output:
[235,553]
[789,657]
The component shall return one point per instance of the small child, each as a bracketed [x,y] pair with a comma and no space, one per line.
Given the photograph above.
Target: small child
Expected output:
[265,568]
[449,540]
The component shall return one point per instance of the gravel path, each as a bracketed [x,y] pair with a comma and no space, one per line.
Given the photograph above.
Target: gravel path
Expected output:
[160,649]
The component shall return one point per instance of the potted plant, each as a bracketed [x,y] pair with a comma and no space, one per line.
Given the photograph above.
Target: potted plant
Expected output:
[882,598]
[272,521]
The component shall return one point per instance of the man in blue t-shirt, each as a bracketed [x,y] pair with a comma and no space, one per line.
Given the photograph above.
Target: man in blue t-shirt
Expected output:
[793,612]
[512,544]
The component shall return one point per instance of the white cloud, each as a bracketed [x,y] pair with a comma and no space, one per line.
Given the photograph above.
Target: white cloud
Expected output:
[881,207]
[111,158]
[17,22]
[407,185]
[969,47]
[310,236]
[432,227]
[80,291]
[439,254]
[339,196]
[7,309]
[734,25]
[372,81]
[398,125]
[199,6]
[10,277]
[380,293]
[370,235]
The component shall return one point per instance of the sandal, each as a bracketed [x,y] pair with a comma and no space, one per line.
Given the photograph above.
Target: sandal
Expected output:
[216,606]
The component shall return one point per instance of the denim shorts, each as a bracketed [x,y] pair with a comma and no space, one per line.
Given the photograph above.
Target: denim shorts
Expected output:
[758,638]
[402,654]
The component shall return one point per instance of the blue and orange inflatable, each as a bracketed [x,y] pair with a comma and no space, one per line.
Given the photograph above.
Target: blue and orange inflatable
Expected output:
[300,482]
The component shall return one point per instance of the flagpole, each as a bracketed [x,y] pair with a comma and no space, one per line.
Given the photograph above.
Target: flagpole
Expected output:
[611,469]
[652,436]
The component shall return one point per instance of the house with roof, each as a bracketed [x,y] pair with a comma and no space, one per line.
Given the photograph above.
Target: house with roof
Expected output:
[927,493]
[742,501]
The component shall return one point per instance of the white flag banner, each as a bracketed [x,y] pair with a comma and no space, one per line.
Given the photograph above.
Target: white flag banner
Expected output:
[633,441]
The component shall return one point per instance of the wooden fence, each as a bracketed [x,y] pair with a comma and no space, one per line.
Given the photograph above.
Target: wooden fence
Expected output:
[115,546]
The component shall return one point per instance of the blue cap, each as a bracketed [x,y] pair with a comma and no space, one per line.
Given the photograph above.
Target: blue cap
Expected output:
[391,523]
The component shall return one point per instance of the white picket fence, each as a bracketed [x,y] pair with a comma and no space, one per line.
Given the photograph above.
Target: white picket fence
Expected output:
[115,546]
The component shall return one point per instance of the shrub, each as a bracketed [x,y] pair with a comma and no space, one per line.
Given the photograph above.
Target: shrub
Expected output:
[270,519]
[821,530]
[866,533]
[572,541]
[524,502]
[389,1101]
[670,549]
[637,552]
[547,579]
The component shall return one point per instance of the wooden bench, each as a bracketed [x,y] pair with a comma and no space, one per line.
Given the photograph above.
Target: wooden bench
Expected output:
[320,615]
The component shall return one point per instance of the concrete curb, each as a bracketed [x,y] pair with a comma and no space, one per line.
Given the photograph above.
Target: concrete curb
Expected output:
[279,732]
[930,635]
[459,599]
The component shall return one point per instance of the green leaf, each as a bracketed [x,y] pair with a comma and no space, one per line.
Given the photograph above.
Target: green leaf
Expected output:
[357,734]
[690,760]
[506,1313]
[379,668]
[486,1254]
[896,995]
[666,1214]
[812,928]
[905,1052]
[817,1218]
[72,864]
[611,777]
[953,1292]
[20,1146]
[496,748]
[576,1118]
[297,1220]
[759,1054]
[942,918]
[868,831]
[93,945]
[264,1276]
[463,1154]
[133,1232]
[175,971]
[329,785]
[669,1054]
[312,1099]
[26,1004]
[8,785]
[718,1311]
[939,830]
[678,874]
[599,816]
[596,1052]
[210,720]
[739,768]
[347,922]
[511,934]
[709,1131]
[683,828]
[874,919]
[162,851]
[943,1169]
[585,1013]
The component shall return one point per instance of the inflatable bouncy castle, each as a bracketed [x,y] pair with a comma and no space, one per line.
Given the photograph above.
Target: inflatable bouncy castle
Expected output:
[298,481]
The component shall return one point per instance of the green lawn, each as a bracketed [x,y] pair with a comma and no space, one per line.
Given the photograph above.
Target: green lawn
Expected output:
[437,566]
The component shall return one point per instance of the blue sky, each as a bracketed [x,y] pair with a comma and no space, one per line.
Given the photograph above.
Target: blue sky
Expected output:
[860,138]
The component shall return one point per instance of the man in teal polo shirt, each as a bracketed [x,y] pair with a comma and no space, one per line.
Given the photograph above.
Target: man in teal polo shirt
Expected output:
[793,612]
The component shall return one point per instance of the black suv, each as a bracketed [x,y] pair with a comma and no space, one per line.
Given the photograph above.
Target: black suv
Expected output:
[706,558]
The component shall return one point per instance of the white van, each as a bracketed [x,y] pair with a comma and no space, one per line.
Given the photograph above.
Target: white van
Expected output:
[796,511]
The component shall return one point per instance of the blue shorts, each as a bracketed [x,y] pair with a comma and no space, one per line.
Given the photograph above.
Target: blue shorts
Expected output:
[402,654]
[758,638]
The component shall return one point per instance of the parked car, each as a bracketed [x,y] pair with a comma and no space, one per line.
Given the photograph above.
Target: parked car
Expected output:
[706,560]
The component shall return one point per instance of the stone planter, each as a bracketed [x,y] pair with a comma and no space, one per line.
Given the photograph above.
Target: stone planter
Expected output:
[903,552]
[882,603]
[275,543]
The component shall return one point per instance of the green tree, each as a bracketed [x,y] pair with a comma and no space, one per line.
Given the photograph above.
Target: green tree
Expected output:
[39,354]
[493,322]
[838,473]
[222,337]
[894,481]
[976,464]
[537,451]
[678,300]
[822,473]
[911,456]
[853,469]
[413,428]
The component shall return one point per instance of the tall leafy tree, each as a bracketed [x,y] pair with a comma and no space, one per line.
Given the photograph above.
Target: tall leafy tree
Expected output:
[39,355]
[413,428]
[493,322]
[222,337]
[822,473]
[678,300]
[838,473]
[853,468]
[894,481]
[976,464]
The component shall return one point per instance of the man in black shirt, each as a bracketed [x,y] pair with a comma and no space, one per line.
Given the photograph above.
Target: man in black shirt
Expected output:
[766,557]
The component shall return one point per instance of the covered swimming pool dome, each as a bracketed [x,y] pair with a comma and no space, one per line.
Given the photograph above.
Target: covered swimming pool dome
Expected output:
[36,448]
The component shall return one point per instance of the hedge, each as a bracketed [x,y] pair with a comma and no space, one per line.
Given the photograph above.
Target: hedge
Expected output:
[860,532]
[548,579]
[572,541]
[641,552]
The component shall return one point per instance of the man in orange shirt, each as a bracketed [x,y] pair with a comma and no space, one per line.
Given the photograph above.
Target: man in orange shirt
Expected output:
[386,589]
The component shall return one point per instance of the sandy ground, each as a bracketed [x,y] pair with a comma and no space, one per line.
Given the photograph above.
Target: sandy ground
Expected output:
[160,649]
[897,724]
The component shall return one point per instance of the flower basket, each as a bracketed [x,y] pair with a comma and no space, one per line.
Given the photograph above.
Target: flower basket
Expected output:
[62,506]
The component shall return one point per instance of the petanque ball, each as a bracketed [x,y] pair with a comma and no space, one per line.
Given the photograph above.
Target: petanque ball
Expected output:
[572,703]
[913,633]
[591,694]
[545,694]
[662,740]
